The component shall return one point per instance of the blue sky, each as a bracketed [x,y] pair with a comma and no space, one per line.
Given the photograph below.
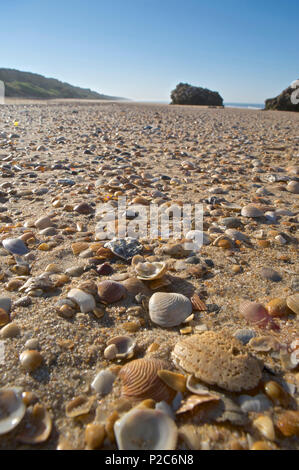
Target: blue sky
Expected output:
[248,50]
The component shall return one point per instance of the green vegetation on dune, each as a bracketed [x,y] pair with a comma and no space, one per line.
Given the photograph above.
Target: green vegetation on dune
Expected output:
[31,85]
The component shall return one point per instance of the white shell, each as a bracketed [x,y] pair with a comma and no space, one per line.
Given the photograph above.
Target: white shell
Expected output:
[85,301]
[12,409]
[145,429]
[169,309]
[199,238]
[15,246]
[251,211]
[103,381]
[125,346]
[149,271]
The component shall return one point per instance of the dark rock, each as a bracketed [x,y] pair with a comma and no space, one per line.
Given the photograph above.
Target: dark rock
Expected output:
[283,101]
[192,95]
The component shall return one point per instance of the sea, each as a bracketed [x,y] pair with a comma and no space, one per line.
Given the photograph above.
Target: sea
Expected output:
[245,105]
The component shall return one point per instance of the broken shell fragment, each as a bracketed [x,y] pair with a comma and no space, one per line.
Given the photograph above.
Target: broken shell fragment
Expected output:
[193,401]
[140,380]
[39,426]
[145,429]
[174,380]
[111,291]
[84,300]
[12,409]
[78,406]
[125,248]
[195,386]
[125,346]
[169,309]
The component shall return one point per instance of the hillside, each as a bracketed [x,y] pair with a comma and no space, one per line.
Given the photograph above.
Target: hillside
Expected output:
[31,85]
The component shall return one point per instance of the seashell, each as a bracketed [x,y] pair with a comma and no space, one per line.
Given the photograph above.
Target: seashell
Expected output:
[255,313]
[293,303]
[42,282]
[288,423]
[111,291]
[125,248]
[140,380]
[244,335]
[135,286]
[78,247]
[175,250]
[174,380]
[149,271]
[104,269]
[84,300]
[12,409]
[94,435]
[199,355]
[169,309]
[195,386]
[251,211]
[198,304]
[293,187]
[103,381]
[256,404]
[270,274]
[236,235]
[277,394]
[110,352]
[15,246]
[43,222]
[199,238]
[277,307]
[11,330]
[264,344]
[38,427]
[4,317]
[78,406]
[145,429]
[89,287]
[125,346]
[31,359]
[157,284]
[265,426]
[193,401]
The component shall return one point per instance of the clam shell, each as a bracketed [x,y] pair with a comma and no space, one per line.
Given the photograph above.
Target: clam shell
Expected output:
[251,211]
[293,187]
[140,380]
[15,246]
[198,237]
[195,386]
[135,286]
[169,309]
[293,302]
[111,291]
[85,301]
[149,271]
[145,429]
[12,409]
[78,406]
[254,313]
[125,346]
[125,248]
[38,427]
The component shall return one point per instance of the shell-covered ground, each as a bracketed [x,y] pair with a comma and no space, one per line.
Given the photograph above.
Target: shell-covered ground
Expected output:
[61,160]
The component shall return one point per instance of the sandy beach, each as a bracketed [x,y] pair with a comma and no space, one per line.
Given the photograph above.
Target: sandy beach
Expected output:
[60,160]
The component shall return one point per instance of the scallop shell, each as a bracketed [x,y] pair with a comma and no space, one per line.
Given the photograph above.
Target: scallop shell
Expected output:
[125,346]
[251,211]
[111,291]
[85,301]
[38,427]
[145,429]
[15,246]
[293,302]
[169,309]
[140,380]
[149,271]
[12,409]
[255,313]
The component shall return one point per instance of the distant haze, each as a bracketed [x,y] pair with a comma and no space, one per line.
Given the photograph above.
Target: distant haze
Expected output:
[141,49]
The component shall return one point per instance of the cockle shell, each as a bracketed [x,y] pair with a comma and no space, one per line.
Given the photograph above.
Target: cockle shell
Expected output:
[251,211]
[293,302]
[255,313]
[169,309]
[145,429]
[15,246]
[140,380]
[111,291]
[12,409]
[149,271]
[84,300]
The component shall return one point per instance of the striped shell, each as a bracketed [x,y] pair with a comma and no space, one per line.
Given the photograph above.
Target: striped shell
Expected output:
[251,211]
[140,380]
[169,309]
[111,291]
[293,302]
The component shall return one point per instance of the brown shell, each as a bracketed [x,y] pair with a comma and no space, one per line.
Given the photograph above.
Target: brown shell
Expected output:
[140,380]
[135,286]
[254,312]
[111,291]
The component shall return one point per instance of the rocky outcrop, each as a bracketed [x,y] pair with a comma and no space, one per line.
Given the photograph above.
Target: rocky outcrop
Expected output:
[193,95]
[288,100]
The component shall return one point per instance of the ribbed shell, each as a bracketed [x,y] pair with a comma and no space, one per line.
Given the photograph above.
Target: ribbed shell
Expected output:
[254,313]
[111,291]
[140,380]
[169,309]
[293,303]
[251,211]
